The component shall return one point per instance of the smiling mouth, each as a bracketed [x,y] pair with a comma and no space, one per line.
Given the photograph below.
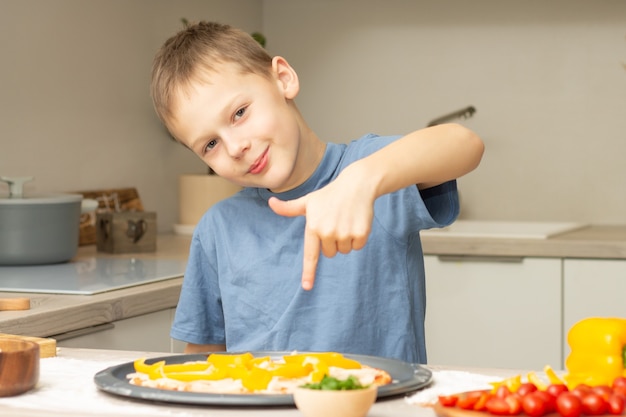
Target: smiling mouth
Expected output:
[259,165]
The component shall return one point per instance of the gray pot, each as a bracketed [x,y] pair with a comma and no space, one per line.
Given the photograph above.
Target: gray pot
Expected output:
[38,229]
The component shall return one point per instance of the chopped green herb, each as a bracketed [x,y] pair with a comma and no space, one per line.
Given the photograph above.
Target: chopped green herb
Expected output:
[333,384]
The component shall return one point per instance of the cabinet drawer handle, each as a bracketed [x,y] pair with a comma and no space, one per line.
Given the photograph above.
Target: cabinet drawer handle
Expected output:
[478,258]
[83,332]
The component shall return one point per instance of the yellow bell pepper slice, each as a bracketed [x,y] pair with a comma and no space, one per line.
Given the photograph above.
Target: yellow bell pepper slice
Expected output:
[256,379]
[223,359]
[512,383]
[343,362]
[213,375]
[140,365]
[236,371]
[329,358]
[154,371]
[321,362]
[259,361]
[187,367]
[291,370]
[534,379]
[320,370]
[552,376]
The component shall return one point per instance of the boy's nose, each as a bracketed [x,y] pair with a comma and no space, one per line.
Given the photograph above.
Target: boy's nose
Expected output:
[237,147]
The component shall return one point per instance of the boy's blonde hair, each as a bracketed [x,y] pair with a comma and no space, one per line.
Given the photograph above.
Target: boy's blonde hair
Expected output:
[194,52]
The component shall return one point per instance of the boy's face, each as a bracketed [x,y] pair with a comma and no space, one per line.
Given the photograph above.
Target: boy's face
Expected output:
[243,126]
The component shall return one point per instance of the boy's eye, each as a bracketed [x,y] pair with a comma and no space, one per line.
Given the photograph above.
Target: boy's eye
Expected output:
[239,113]
[212,143]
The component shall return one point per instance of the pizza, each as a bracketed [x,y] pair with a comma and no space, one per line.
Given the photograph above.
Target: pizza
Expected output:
[243,373]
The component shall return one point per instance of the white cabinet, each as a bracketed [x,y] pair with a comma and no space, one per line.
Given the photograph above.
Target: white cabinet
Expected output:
[148,332]
[493,312]
[592,288]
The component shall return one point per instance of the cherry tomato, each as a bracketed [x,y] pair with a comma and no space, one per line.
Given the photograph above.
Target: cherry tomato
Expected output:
[511,405]
[548,399]
[581,390]
[482,401]
[470,399]
[515,404]
[534,405]
[594,404]
[498,406]
[602,390]
[616,404]
[569,405]
[556,389]
[526,388]
[448,400]
[502,391]
[466,403]
[620,381]
[620,390]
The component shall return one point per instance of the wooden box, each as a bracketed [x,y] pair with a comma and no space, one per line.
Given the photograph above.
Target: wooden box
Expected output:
[109,200]
[126,232]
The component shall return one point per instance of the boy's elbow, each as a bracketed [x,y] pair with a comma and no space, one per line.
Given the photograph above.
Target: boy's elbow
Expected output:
[478,146]
[473,144]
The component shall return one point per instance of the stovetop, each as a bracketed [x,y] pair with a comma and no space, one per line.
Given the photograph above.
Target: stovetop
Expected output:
[88,276]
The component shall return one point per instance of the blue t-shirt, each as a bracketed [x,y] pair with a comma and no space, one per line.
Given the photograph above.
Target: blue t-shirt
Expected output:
[242,286]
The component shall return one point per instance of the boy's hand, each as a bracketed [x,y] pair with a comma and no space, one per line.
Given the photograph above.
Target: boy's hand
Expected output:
[338,219]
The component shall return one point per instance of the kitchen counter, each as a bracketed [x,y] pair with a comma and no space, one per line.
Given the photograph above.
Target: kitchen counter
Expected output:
[52,314]
[593,242]
[66,388]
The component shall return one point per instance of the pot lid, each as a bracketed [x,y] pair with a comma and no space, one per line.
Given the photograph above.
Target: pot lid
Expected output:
[16,195]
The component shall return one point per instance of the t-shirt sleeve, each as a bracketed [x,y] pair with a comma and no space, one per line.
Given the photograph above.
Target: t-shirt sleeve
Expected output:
[411,209]
[442,203]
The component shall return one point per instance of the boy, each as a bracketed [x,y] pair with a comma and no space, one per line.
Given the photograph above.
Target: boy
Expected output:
[320,251]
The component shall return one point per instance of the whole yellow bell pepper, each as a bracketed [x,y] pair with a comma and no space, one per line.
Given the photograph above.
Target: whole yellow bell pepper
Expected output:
[598,351]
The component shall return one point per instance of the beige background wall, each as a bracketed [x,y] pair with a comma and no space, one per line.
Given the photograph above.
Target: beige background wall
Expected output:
[547,79]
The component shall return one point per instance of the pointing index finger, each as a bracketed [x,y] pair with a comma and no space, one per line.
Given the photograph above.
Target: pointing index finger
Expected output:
[311,256]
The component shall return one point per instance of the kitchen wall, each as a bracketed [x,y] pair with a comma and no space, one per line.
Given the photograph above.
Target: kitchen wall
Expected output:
[75,110]
[547,79]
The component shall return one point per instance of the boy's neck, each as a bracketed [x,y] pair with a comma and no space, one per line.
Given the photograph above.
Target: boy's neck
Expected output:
[312,153]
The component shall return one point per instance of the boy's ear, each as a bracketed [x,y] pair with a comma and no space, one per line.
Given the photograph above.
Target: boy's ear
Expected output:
[286,76]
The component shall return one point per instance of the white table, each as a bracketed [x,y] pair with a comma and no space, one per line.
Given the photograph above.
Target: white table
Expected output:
[66,388]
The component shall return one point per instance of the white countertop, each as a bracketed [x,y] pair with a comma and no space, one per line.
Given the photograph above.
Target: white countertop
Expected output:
[504,229]
[89,275]
[66,388]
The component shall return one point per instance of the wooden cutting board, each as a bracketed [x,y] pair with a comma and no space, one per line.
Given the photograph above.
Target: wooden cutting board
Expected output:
[442,411]
[14,303]
[47,346]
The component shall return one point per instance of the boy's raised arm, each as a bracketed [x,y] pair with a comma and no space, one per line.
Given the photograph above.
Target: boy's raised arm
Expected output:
[426,157]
